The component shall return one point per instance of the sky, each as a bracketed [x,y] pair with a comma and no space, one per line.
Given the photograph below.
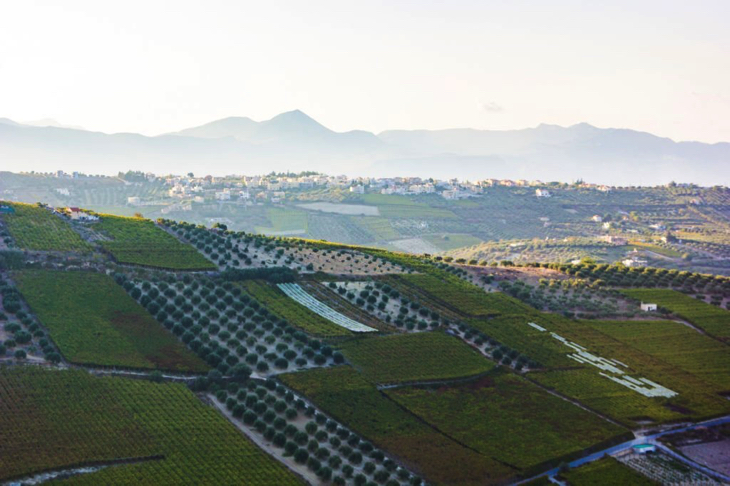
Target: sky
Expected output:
[153,67]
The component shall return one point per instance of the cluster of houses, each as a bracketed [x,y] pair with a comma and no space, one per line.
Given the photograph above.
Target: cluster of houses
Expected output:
[273,188]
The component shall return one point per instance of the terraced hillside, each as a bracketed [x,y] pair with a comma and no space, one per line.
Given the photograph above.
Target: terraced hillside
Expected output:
[257,370]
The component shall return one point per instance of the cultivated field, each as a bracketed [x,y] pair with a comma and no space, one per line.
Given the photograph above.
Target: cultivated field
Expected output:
[426,356]
[60,419]
[94,322]
[36,228]
[139,242]
[281,305]
[344,394]
[509,419]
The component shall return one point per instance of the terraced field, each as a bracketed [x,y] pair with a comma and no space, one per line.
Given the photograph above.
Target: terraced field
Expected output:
[139,242]
[414,357]
[93,321]
[36,228]
[350,399]
[58,419]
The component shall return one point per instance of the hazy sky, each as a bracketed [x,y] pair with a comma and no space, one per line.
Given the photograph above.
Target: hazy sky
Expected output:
[152,67]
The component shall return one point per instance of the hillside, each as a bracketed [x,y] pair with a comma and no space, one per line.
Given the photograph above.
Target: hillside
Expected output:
[493,223]
[300,361]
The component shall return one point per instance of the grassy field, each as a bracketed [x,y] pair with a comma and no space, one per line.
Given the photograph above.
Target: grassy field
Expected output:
[53,419]
[660,250]
[510,419]
[349,398]
[415,212]
[712,319]
[36,228]
[423,356]
[388,200]
[283,220]
[379,228]
[605,472]
[296,314]
[93,321]
[452,241]
[139,242]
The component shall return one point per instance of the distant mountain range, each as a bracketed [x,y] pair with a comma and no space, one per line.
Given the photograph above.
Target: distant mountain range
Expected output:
[294,141]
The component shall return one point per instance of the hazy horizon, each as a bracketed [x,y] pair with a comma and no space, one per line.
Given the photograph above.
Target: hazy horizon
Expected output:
[140,67]
[52,122]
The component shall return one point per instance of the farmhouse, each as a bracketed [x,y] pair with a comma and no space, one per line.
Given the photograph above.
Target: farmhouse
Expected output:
[648,307]
[542,193]
[78,215]
[597,218]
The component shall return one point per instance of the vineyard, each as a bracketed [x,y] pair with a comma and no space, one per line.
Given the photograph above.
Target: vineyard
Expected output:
[458,296]
[712,319]
[93,321]
[509,419]
[414,357]
[57,419]
[36,228]
[139,242]
[346,396]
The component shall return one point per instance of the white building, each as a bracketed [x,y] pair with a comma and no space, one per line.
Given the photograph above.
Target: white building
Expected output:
[224,195]
[542,193]
[648,307]
[635,262]
[597,218]
[133,201]
[359,189]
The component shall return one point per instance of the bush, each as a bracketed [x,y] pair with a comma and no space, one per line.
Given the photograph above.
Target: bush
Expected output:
[301,456]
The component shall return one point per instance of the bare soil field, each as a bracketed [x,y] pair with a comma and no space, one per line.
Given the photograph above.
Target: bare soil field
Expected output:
[715,455]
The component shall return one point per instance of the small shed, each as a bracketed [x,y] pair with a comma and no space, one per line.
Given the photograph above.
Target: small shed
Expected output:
[648,307]
[643,448]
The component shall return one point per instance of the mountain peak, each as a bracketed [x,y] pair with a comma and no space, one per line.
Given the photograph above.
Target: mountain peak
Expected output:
[293,123]
[295,116]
